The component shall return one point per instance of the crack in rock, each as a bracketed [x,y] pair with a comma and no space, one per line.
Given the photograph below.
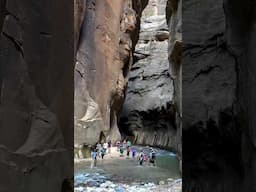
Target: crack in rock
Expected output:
[17,43]
[206,71]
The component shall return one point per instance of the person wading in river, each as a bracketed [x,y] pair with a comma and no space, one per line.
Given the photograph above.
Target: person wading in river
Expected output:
[124,144]
[121,151]
[128,152]
[94,158]
[98,148]
[103,152]
[133,153]
[109,146]
[152,159]
[105,146]
[129,144]
[145,158]
[141,158]
[117,145]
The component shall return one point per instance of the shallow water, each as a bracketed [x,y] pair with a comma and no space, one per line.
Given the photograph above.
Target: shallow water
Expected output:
[123,171]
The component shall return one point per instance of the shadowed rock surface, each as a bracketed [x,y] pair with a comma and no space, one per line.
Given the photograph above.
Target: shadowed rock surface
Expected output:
[174,20]
[36,104]
[218,127]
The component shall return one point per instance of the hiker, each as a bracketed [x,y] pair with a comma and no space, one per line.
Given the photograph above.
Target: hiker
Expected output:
[121,151]
[141,158]
[152,159]
[128,152]
[124,144]
[129,144]
[105,146]
[145,157]
[98,148]
[103,152]
[133,153]
[94,158]
[117,145]
[109,146]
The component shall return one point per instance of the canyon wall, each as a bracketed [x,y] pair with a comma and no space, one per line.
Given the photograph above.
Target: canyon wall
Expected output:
[217,95]
[148,115]
[36,101]
[174,20]
[122,74]
[107,37]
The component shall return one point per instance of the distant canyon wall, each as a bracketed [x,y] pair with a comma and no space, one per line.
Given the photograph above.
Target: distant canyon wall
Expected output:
[148,114]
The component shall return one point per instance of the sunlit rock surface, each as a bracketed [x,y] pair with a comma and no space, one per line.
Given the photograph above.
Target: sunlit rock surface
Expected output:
[108,34]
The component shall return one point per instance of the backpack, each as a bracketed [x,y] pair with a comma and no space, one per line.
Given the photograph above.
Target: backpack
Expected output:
[153,155]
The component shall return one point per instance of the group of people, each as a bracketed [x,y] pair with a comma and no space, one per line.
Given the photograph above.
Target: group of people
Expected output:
[124,145]
[101,149]
[143,157]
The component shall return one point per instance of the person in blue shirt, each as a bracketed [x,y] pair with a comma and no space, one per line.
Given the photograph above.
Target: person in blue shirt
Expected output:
[133,153]
[103,152]
[94,158]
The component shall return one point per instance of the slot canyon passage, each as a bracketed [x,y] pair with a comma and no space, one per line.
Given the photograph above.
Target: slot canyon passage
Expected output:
[124,89]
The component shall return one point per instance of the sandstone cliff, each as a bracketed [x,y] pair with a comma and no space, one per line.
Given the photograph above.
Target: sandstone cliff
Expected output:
[36,108]
[108,35]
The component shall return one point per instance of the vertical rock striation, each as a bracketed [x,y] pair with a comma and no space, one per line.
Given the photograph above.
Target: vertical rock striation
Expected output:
[36,108]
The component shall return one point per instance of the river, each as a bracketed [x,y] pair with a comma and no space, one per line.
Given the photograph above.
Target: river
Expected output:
[121,174]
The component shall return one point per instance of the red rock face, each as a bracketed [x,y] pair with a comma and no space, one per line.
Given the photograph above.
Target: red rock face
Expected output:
[107,38]
[79,12]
